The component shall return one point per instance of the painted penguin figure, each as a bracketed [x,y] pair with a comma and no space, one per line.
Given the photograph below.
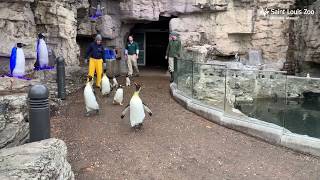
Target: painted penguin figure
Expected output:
[118,97]
[105,85]
[137,108]
[115,82]
[17,61]
[90,99]
[128,82]
[42,53]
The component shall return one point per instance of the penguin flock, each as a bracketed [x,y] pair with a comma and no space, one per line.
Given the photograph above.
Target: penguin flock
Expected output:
[136,106]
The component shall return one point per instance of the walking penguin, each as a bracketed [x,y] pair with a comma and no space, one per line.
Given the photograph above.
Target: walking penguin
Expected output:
[89,98]
[118,97]
[115,82]
[128,82]
[17,61]
[105,85]
[137,108]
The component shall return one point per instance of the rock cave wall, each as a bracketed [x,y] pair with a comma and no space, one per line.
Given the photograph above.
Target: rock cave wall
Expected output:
[307,31]
[230,26]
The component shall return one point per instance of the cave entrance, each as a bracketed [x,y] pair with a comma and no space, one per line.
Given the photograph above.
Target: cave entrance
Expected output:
[83,42]
[152,38]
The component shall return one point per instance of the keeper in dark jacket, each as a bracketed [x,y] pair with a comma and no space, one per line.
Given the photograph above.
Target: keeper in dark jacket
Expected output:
[95,54]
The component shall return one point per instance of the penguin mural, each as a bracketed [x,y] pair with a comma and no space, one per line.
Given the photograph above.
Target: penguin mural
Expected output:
[89,98]
[105,85]
[42,61]
[115,82]
[17,61]
[128,82]
[137,108]
[118,97]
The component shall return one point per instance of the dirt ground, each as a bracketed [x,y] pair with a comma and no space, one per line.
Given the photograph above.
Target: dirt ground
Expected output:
[173,144]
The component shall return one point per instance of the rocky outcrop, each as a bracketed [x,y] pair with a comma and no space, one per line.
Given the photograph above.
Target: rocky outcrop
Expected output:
[14,128]
[238,30]
[21,21]
[17,25]
[40,160]
[58,21]
[307,31]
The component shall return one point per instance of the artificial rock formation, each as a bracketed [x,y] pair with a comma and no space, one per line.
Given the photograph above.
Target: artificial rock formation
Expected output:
[21,21]
[39,160]
[230,27]
[14,128]
[307,31]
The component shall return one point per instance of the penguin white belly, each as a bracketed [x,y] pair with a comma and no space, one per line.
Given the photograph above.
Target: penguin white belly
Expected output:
[43,54]
[118,97]
[128,83]
[90,99]
[105,85]
[115,82]
[19,69]
[137,114]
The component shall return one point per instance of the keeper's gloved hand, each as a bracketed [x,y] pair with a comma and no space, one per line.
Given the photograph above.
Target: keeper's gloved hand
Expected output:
[86,61]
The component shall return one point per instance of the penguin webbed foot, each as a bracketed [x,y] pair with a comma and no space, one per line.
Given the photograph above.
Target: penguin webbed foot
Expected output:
[150,114]
[122,116]
[137,127]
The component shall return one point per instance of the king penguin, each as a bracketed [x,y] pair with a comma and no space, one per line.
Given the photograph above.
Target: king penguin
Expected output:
[105,85]
[118,97]
[115,82]
[137,108]
[42,61]
[89,98]
[17,61]
[128,82]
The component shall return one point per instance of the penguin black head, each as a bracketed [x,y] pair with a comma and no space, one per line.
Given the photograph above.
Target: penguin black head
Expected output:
[41,36]
[138,86]
[20,45]
[127,75]
[90,78]
[120,87]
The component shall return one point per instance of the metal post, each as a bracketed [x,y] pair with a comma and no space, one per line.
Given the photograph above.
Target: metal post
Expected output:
[39,113]
[61,78]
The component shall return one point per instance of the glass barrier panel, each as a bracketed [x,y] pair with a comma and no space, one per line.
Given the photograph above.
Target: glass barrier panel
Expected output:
[302,114]
[209,84]
[184,76]
[256,96]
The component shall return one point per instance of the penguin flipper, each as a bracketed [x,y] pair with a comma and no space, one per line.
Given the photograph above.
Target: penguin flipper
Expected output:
[125,111]
[146,108]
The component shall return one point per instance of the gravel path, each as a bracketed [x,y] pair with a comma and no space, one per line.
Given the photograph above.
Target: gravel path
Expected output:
[173,144]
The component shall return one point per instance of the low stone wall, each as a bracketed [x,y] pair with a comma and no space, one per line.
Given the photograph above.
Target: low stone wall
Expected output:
[40,160]
[267,131]
[212,83]
[14,125]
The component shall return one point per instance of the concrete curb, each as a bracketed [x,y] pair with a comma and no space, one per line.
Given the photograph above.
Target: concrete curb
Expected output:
[269,132]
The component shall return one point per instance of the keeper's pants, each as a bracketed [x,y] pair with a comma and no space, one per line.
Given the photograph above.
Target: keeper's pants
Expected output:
[96,65]
[132,61]
[171,64]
